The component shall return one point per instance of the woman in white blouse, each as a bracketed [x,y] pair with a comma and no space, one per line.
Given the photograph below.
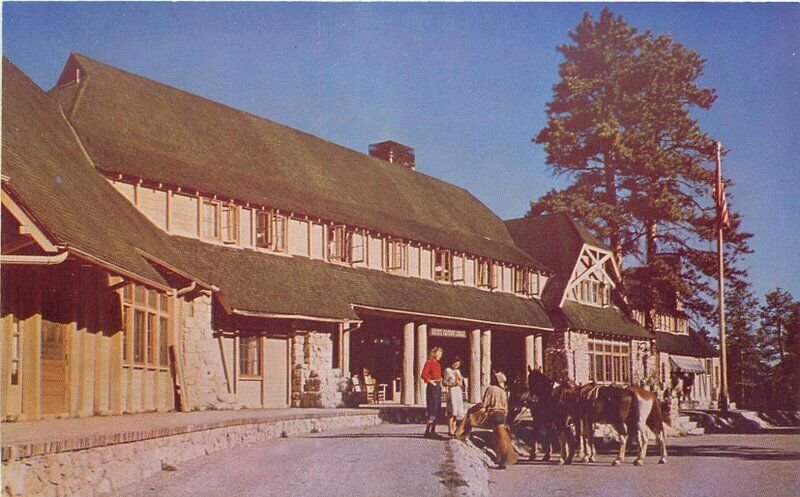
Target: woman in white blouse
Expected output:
[454,382]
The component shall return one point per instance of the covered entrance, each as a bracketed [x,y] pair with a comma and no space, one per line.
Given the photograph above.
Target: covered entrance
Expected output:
[56,317]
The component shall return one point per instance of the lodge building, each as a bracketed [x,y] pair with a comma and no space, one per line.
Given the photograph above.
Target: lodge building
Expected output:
[161,251]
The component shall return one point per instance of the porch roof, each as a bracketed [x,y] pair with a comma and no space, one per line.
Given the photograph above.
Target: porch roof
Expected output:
[686,364]
[607,320]
[691,344]
[255,282]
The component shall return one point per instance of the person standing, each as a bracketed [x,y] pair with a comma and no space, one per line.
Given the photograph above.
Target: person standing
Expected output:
[454,382]
[432,376]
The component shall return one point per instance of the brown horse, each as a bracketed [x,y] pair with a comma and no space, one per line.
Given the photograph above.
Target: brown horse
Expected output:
[629,410]
[552,408]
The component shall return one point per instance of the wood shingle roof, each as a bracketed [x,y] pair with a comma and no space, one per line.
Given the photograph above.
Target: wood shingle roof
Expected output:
[133,125]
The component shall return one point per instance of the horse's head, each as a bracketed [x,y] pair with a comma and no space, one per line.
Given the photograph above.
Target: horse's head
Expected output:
[539,384]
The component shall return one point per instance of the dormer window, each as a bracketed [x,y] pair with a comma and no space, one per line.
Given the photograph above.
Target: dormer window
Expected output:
[442,265]
[485,277]
[533,283]
[271,231]
[263,225]
[396,255]
[337,247]
[211,228]
[279,226]
[356,244]
[230,223]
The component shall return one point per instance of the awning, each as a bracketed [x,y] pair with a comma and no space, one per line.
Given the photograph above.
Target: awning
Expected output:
[687,364]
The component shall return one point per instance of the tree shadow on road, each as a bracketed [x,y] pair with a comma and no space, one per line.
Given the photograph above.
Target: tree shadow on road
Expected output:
[381,435]
[733,451]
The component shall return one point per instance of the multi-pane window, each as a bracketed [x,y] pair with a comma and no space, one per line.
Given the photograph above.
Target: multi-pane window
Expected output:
[533,283]
[211,220]
[337,244]
[442,265]
[486,276]
[263,225]
[521,278]
[250,356]
[356,242]
[609,361]
[230,223]
[396,255]
[145,316]
[593,292]
[458,268]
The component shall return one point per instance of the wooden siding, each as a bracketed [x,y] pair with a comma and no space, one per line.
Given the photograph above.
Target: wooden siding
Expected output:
[153,204]
[126,189]
[375,252]
[246,227]
[183,215]
[317,241]
[426,264]
[298,237]
[276,364]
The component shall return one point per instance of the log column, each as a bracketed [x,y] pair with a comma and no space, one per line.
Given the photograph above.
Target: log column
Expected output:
[475,366]
[407,394]
[530,352]
[422,357]
[344,358]
[538,351]
[486,358]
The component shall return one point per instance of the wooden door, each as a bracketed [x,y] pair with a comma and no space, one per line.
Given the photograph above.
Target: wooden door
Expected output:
[54,368]
[276,372]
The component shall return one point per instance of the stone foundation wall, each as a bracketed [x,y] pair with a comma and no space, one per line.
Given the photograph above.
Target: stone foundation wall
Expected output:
[566,355]
[315,382]
[201,359]
[105,470]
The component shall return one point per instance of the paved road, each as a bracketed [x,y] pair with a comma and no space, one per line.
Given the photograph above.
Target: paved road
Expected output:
[704,466]
[384,460]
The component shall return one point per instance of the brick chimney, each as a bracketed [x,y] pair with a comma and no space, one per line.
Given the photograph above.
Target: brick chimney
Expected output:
[393,152]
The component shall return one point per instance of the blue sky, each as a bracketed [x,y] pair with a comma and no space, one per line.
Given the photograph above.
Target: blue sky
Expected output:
[464,84]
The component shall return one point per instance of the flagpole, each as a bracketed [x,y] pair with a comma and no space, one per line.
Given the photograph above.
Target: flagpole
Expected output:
[719,201]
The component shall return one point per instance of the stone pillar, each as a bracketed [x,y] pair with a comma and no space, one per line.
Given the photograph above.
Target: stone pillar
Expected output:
[474,366]
[486,358]
[422,357]
[538,351]
[407,393]
[530,352]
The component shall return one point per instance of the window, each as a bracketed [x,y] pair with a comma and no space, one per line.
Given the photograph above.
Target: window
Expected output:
[396,255]
[442,265]
[486,276]
[609,361]
[533,283]
[210,220]
[279,233]
[593,292]
[11,306]
[145,315]
[355,240]
[263,225]
[337,246]
[230,223]
[250,356]
[521,278]
[458,268]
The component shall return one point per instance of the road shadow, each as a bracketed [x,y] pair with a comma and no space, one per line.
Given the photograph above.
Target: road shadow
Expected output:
[734,452]
[380,435]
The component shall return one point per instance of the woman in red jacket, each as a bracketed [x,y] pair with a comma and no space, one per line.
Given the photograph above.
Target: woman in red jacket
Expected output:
[432,376]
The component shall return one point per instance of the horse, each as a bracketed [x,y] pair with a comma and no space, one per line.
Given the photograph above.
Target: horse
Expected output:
[552,407]
[629,410]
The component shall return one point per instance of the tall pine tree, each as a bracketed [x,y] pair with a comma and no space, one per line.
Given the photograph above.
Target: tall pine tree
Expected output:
[620,127]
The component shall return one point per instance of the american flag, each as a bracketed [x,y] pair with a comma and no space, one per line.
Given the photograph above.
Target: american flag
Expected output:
[723,217]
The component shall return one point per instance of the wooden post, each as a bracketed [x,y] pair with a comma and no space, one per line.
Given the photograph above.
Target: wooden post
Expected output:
[422,357]
[113,307]
[530,352]
[538,352]
[407,394]
[31,357]
[721,284]
[475,365]
[486,358]
[345,357]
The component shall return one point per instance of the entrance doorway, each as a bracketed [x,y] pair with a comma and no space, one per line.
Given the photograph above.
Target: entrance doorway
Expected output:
[508,354]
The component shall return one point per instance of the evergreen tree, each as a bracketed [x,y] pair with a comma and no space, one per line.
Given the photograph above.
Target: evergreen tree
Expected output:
[777,341]
[743,354]
[620,127]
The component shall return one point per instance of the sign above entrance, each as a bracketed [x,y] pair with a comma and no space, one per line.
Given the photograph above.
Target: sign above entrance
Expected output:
[441,332]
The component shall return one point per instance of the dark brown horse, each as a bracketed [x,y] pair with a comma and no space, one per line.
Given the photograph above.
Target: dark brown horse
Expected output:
[629,410]
[552,406]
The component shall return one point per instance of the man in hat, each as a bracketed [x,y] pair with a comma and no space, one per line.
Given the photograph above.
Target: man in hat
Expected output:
[491,413]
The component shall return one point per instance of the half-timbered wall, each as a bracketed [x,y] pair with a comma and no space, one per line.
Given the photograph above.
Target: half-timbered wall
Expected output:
[199,216]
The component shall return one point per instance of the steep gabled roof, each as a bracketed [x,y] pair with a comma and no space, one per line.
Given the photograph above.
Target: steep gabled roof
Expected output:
[557,240]
[132,125]
[50,176]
